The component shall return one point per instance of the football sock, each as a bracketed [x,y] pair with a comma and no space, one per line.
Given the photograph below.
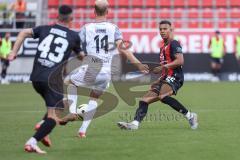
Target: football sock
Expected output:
[4,72]
[141,111]
[32,140]
[175,104]
[88,115]
[136,123]
[72,97]
[188,115]
[45,129]
[214,72]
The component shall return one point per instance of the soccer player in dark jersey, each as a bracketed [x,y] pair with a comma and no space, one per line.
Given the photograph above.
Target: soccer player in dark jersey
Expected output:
[56,42]
[171,79]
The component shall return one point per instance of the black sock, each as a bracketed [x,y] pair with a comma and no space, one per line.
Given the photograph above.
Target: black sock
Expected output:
[141,111]
[4,73]
[45,129]
[214,72]
[175,104]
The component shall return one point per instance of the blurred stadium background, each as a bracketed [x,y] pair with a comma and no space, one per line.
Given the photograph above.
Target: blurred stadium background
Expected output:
[195,21]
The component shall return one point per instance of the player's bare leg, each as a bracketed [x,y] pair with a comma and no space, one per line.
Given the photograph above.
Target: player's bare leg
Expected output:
[70,103]
[165,96]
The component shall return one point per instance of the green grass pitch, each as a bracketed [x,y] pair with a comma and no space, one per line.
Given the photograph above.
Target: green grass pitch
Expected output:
[163,135]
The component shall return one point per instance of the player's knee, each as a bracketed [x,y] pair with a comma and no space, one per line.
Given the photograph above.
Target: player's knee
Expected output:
[144,100]
[163,98]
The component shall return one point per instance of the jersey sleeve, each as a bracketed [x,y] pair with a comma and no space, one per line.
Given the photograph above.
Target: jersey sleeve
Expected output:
[175,47]
[82,34]
[36,32]
[118,34]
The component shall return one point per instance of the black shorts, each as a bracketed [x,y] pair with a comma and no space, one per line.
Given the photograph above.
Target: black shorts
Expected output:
[52,98]
[174,82]
[217,60]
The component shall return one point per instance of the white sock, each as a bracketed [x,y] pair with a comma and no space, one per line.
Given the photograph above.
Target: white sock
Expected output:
[41,122]
[188,115]
[72,97]
[135,123]
[88,115]
[32,141]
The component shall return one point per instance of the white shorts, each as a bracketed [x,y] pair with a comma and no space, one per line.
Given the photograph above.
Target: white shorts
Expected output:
[88,79]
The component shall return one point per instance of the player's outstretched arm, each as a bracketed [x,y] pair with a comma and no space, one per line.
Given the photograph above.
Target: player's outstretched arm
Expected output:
[20,38]
[142,67]
[178,61]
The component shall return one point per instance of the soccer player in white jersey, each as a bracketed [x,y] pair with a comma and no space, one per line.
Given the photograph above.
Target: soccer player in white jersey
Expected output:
[96,38]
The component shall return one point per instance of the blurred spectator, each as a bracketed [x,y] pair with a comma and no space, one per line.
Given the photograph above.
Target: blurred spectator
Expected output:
[237,43]
[19,6]
[5,49]
[217,47]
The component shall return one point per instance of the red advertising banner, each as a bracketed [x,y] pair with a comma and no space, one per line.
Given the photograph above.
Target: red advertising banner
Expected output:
[192,40]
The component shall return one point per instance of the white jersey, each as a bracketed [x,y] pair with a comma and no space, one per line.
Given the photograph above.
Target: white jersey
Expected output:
[98,41]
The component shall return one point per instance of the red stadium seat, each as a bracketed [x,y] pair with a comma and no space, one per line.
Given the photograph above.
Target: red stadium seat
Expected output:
[137,3]
[67,2]
[137,13]
[152,24]
[76,25]
[207,24]
[235,24]
[110,13]
[193,3]
[207,3]
[83,12]
[165,3]
[111,3]
[178,3]
[207,13]
[222,24]
[234,3]
[193,13]
[80,3]
[78,13]
[122,24]
[53,3]
[122,13]
[52,13]
[221,3]
[177,24]
[193,24]
[178,13]
[137,24]
[151,3]
[164,13]
[123,3]
[222,13]
[152,12]
[234,13]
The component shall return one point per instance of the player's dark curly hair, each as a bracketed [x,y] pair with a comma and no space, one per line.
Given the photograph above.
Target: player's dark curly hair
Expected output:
[165,22]
[64,12]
